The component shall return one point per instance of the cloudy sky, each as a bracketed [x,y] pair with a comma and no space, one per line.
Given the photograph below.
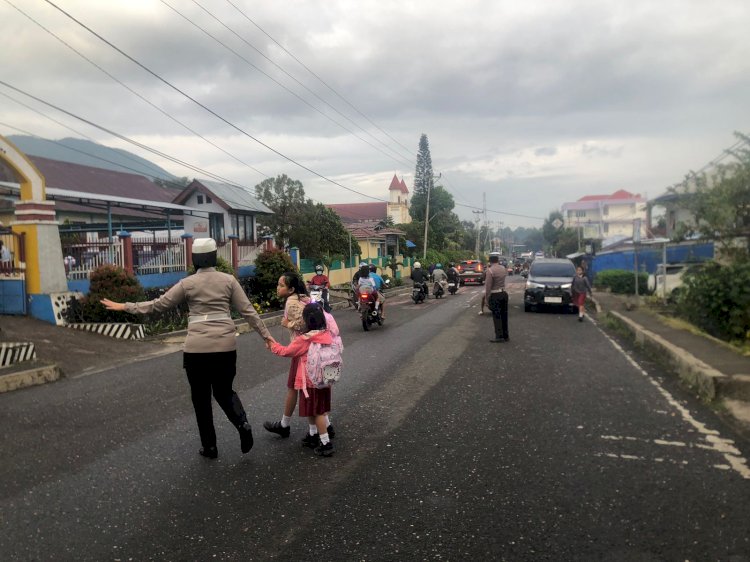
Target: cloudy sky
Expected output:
[532,103]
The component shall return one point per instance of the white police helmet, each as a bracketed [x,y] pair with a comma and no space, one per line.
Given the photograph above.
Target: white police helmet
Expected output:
[204,252]
[417,265]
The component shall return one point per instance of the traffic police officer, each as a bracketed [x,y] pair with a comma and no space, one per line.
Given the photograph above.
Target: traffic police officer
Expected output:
[496,297]
[210,352]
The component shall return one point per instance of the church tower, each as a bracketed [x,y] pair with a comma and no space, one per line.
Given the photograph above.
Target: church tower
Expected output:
[398,205]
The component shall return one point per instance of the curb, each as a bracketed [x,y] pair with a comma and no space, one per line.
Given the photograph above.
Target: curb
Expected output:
[30,373]
[706,380]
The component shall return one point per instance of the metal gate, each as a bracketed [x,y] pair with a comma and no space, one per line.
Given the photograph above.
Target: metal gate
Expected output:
[12,273]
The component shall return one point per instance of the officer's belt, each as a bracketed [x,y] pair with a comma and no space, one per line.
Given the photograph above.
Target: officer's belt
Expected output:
[208,317]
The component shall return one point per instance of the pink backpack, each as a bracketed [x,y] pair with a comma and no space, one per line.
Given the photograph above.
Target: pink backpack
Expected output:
[324,362]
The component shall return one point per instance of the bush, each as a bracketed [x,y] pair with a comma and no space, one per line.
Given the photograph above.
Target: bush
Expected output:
[269,266]
[107,282]
[621,281]
[716,298]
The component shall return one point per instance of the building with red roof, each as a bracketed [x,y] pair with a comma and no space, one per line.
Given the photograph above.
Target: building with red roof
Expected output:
[604,216]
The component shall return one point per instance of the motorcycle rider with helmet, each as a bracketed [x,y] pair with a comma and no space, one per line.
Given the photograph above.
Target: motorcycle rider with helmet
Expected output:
[439,277]
[419,275]
[322,281]
[453,275]
[379,284]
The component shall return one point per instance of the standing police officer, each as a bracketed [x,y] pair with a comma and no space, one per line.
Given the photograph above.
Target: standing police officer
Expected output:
[496,297]
[210,352]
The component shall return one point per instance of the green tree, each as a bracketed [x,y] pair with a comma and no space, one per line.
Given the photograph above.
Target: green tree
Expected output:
[286,198]
[551,232]
[319,232]
[424,180]
[720,202]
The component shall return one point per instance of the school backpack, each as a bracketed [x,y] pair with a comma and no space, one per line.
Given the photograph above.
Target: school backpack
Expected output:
[324,362]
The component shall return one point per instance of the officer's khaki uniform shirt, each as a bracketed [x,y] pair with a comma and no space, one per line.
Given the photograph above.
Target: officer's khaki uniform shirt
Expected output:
[207,292]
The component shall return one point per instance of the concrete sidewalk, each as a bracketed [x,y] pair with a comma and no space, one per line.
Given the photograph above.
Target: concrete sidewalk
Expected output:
[719,373]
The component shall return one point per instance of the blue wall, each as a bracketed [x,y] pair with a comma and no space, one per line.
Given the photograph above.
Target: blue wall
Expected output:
[649,257]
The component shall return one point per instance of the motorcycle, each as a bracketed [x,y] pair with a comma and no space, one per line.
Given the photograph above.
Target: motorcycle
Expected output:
[318,293]
[438,290]
[418,293]
[452,287]
[369,313]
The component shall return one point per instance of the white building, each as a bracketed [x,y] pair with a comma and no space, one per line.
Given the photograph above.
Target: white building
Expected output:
[604,216]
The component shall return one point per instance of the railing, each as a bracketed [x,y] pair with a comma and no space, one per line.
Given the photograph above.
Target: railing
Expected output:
[12,253]
[158,256]
[224,251]
[81,259]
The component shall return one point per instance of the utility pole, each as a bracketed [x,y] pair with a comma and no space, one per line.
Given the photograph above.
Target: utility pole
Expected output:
[427,214]
[477,220]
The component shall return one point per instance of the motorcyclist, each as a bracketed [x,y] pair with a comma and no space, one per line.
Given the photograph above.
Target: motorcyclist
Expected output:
[453,275]
[439,277]
[420,276]
[322,281]
[379,284]
[365,281]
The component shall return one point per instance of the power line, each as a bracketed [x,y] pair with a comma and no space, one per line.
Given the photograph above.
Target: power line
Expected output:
[238,55]
[206,108]
[165,113]
[243,14]
[259,52]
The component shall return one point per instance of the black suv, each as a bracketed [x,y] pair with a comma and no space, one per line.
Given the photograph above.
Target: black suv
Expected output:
[548,283]
[471,271]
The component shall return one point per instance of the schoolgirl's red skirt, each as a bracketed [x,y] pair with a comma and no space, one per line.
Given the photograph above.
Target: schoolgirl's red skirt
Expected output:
[316,404]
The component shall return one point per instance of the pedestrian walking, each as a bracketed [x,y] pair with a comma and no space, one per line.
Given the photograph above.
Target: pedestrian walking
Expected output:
[580,288]
[314,403]
[210,352]
[292,289]
[496,297]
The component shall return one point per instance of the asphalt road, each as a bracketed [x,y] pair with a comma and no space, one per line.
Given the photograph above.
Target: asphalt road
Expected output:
[559,445]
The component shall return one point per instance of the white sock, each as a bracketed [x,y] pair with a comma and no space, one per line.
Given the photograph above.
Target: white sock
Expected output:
[285,421]
[328,420]
[324,439]
[313,429]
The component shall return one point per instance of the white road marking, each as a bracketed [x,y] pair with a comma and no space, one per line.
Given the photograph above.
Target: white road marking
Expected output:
[724,447]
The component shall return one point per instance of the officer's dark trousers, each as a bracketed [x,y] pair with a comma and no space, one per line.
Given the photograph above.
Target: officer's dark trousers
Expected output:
[214,373]
[499,306]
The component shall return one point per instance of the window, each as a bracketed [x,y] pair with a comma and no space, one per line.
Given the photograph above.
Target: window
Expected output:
[580,214]
[605,210]
[200,200]
[606,228]
[208,199]
[216,226]
[243,227]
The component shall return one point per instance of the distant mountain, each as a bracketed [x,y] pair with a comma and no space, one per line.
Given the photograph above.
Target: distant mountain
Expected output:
[87,153]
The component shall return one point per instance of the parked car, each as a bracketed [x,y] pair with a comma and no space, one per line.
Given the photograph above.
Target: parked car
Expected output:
[471,271]
[668,285]
[548,284]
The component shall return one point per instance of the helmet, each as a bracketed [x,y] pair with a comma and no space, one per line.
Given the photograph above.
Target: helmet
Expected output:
[204,252]
[318,268]
[417,265]
[438,266]
[451,264]
[373,268]
[364,264]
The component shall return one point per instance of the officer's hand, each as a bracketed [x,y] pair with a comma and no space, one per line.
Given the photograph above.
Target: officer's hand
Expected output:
[112,305]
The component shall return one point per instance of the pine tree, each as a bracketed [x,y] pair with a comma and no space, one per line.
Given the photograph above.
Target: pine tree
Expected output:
[423,178]
[423,175]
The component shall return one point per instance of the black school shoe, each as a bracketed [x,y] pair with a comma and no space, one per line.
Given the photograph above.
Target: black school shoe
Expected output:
[311,441]
[275,427]
[324,450]
[246,437]
[331,432]
[209,452]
